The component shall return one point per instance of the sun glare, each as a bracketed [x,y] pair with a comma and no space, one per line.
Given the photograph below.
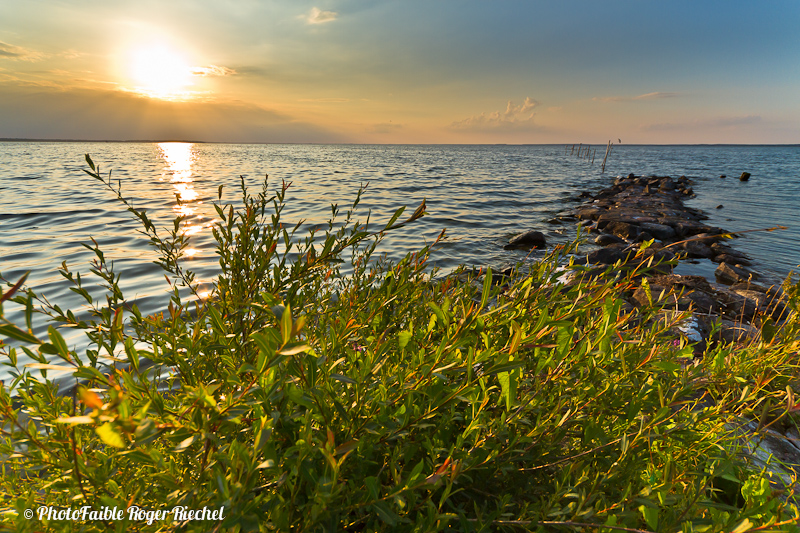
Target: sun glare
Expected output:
[159,72]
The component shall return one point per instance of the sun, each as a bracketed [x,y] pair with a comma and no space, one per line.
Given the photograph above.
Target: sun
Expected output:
[160,72]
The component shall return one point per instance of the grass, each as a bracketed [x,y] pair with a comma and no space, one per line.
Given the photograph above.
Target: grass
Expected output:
[301,399]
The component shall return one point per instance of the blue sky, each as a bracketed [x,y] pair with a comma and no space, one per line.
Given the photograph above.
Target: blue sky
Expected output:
[414,71]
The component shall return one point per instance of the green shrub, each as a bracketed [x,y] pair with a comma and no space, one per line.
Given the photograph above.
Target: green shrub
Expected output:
[299,398]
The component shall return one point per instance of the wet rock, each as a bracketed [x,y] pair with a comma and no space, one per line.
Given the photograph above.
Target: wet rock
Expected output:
[729,274]
[623,229]
[607,256]
[528,240]
[731,260]
[745,176]
[607,238]
[720,206]
[659,231]
[698,250]
[723,249]
[723,176]
[589,213]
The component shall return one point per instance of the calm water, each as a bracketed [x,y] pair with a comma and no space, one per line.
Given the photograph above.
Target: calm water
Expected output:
[481,194]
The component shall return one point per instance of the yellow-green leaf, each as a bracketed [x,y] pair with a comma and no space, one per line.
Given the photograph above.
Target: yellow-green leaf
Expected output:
[110,436]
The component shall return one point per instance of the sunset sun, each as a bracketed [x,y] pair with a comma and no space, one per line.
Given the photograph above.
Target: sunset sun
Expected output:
[159,72]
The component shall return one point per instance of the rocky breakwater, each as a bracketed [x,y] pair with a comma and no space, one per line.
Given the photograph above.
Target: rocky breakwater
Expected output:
[639,209]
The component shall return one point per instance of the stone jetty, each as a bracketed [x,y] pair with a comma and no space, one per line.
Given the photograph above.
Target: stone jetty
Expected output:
[636,209]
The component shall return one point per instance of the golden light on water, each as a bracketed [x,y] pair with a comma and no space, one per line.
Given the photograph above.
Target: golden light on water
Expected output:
[179,158]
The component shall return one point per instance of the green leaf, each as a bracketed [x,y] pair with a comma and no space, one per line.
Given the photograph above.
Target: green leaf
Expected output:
[58,342]
[185,443]
[286,324]
[110,436]
[743,526]
[297,396]
[384,513]
[650,516]
[403,337]
[487,286]
[13,332]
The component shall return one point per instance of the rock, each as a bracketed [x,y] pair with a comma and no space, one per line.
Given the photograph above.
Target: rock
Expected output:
[731,260]
[623,229]
[606,256]
[528,240]
[723,249]
[720,206]
[723,176]
[729,274]
[702,301]
[743,306]
[590,213]
[652,292]
[697,249]
[689,282]
[736,331]
[745,176]
[659,231]
[607,238]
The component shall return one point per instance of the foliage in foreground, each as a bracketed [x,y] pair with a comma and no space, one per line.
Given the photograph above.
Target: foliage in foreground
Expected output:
[301,399]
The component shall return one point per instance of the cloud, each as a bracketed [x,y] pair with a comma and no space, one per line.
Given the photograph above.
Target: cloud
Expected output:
[317,16]
[514,117]
[648,96]
[9,51]
[324,100]
[713,123]
[212,70]
[385,127]
[51,113]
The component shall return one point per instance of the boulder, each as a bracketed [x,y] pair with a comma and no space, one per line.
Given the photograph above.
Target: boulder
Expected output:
[736,331]
[697,249]
[723,249]
[607,256]
[652,292]
[607,238]
[731,260]
[623,229]
[659,231]
[745,176]
[730,274]
[528,240]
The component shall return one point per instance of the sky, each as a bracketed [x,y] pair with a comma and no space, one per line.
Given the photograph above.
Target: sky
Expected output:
[410,71]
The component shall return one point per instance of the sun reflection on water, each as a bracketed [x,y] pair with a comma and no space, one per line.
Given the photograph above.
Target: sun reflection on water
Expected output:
[179,159]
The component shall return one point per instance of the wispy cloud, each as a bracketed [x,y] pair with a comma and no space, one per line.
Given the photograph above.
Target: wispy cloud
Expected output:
[385,127]
[648,96]
[212,70]
[317,16]
[324,100]
[10,51]
[713,123]
[513,116]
